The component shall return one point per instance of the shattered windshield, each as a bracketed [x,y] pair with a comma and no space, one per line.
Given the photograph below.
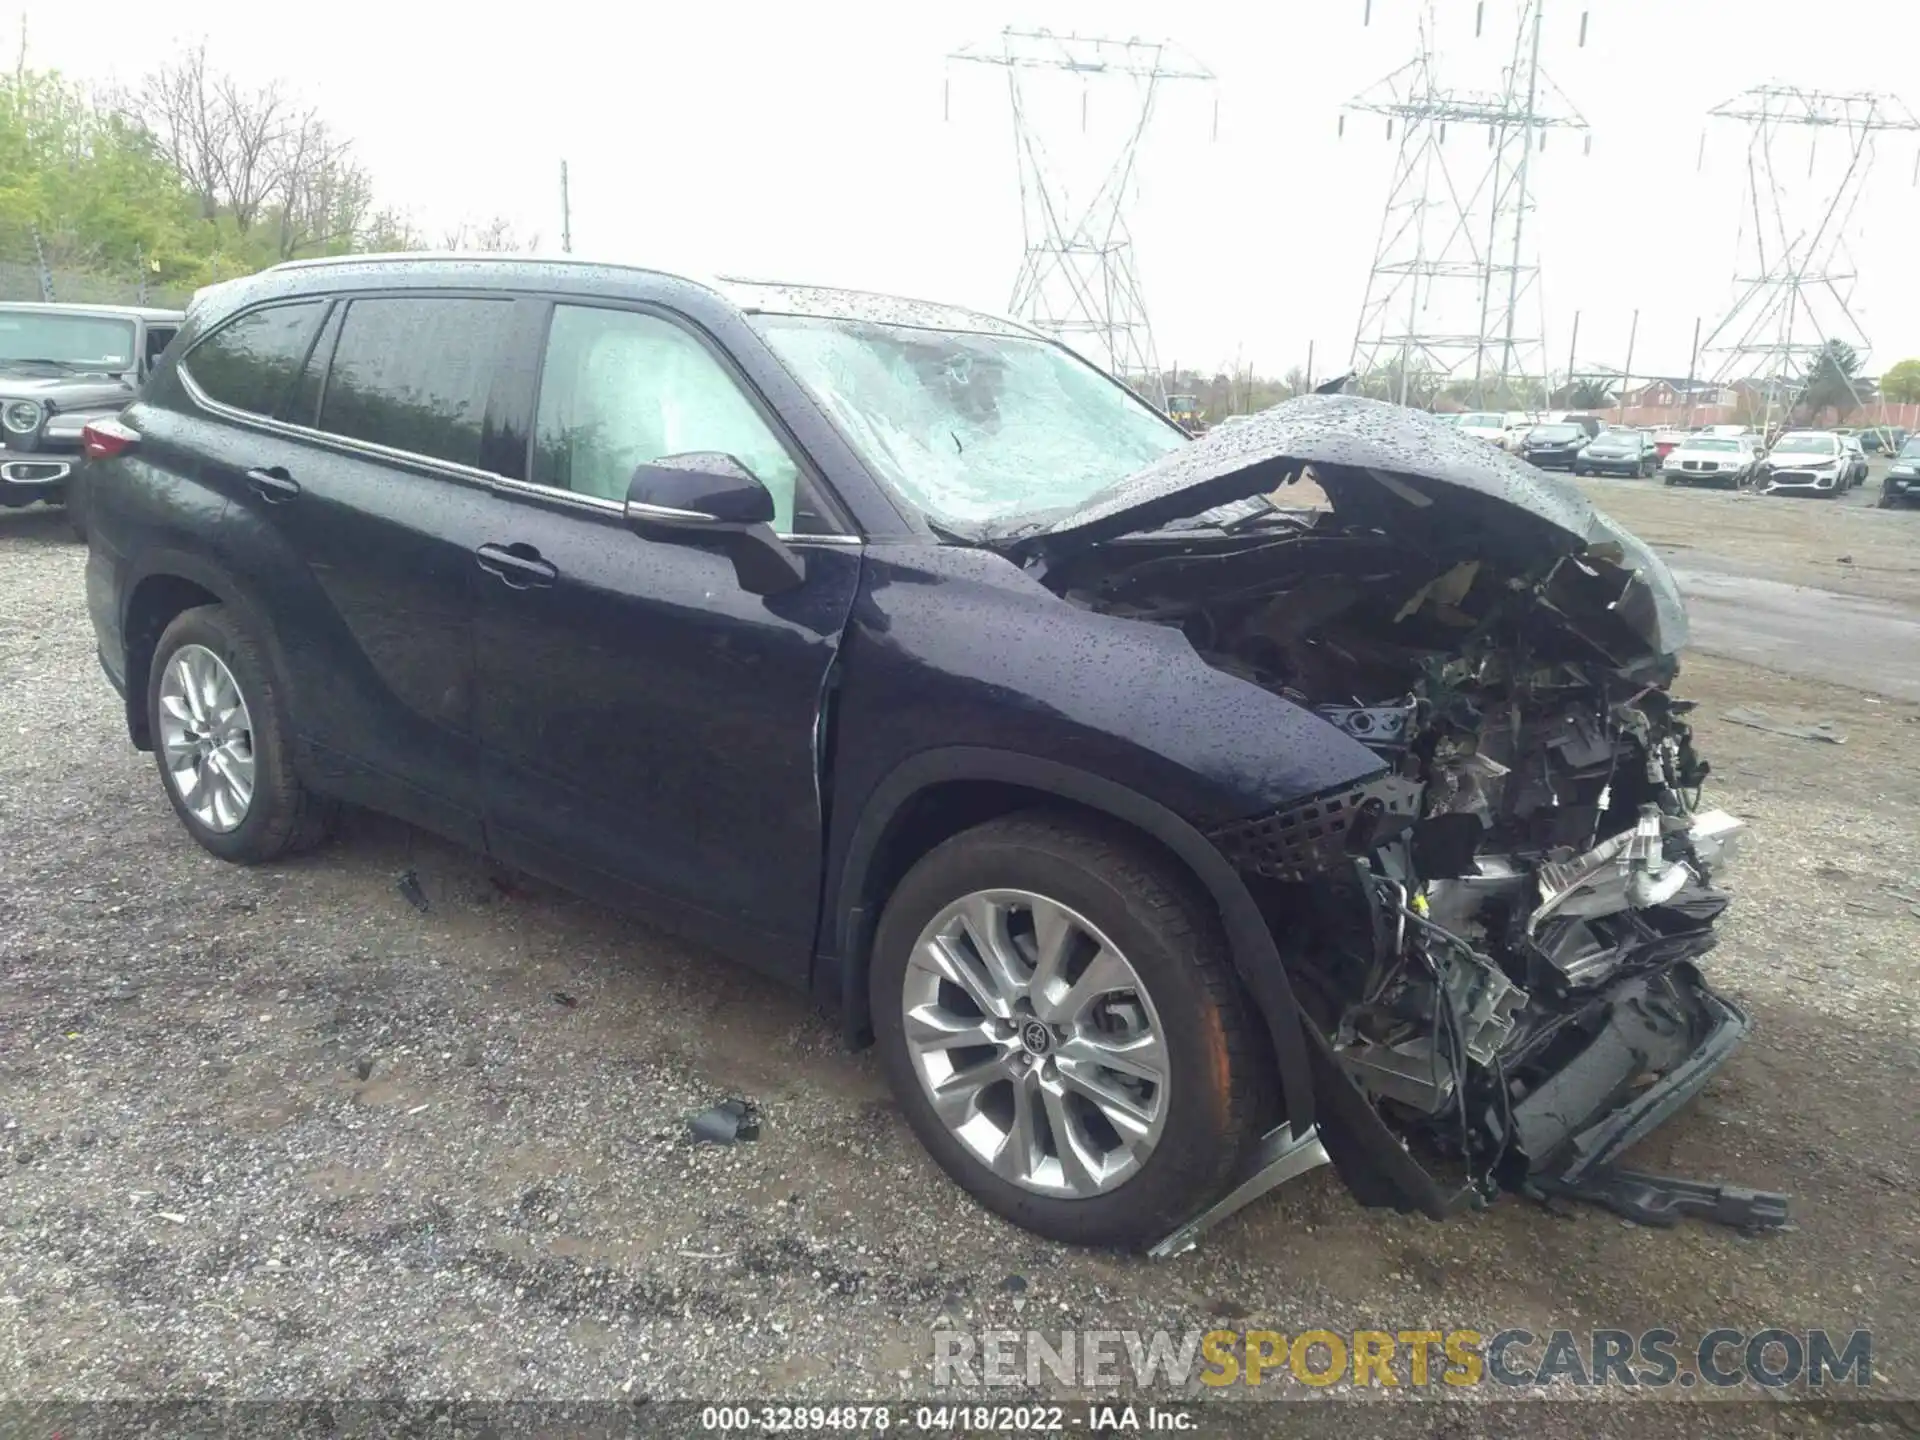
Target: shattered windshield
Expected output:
[969,427]
[96,343]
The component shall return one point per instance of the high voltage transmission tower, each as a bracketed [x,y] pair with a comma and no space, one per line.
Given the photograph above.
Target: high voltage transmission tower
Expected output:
[1794,278]
[1454,293]
[1077,277]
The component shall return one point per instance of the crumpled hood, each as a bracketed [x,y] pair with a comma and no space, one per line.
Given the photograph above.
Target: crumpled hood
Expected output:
[1394,468]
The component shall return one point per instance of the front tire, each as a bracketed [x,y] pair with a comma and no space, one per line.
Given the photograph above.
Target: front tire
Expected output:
[1057,1014]
[222,741]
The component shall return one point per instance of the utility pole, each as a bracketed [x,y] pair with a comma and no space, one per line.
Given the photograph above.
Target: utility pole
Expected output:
[1573,348]
[1626,378]
[1309,367]
[566,214]
[1693,364]
[1507,363]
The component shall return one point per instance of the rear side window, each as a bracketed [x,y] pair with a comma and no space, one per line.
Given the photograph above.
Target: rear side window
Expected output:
[304,405]
[412,373]
[249,362]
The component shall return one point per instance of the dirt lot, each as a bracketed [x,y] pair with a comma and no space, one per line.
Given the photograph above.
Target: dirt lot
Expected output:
[279,1132]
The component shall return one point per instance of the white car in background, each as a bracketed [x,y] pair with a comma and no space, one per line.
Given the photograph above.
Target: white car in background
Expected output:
[1730,460]
[1519,425]
[1808,462]
[1483,425]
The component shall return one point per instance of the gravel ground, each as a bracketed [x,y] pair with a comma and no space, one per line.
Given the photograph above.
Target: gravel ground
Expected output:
[278,1132]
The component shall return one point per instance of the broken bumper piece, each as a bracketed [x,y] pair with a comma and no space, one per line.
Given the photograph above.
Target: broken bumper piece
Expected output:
[1280,1157]
[1587,1171]
[1643,1033]
[1576,1123]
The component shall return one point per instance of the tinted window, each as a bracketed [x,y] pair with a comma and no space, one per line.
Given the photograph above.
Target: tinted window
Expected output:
[303,408]
[249,362]
[412,373]
[620,389]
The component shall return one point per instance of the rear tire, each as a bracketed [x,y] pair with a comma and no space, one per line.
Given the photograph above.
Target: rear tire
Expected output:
[279,816]
[1215,1086]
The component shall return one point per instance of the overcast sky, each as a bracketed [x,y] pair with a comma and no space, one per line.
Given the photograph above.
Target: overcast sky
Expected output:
[833,142]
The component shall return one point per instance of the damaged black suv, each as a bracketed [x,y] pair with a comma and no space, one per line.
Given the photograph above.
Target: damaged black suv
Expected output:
[1158,832]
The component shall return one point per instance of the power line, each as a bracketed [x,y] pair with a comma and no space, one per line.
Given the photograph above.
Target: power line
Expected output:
[1793,281]
[1077,277]
[1453,268]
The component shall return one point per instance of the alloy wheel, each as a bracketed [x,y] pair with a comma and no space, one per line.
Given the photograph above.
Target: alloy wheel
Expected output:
[206,738]
[1036,1042]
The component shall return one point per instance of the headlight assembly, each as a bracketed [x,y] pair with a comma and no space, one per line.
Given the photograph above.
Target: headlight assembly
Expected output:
[21,417]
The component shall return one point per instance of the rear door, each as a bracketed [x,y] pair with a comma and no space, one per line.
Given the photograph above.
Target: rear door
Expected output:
[359,516]
[650,731]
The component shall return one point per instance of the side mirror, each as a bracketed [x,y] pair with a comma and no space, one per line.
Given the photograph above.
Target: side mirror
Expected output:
[707,498]
[704,489]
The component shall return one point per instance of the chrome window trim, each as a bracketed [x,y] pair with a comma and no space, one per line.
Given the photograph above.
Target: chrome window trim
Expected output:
[671,512]
[506,484]
[450,468]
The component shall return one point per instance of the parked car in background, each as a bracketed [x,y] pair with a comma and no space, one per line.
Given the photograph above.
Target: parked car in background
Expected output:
[1513,436]
[1553,447]
[897,652]
[1729,460]
[61,366]
[1482,425]
[1856,459]
[1901,484]
[1668,440]
[1617,452]
[1812,462]
[1888,439]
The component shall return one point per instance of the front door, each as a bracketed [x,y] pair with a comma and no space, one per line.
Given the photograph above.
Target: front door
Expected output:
[649,730]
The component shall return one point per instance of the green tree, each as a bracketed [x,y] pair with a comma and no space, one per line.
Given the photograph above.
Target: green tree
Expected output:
[1589,395]
[1830,380]
[1901,383]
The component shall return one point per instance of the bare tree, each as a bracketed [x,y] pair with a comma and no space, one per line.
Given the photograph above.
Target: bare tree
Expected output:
[322,197]
[388,231]
[496,236]
[226,141]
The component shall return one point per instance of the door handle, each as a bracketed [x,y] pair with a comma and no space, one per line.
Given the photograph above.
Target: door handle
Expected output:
[518,566]
[273,485]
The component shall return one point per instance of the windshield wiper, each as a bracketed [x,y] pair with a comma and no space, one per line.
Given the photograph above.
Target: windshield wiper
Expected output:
[40,360]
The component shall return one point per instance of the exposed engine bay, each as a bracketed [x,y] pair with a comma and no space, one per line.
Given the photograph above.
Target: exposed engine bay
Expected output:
[1497,937]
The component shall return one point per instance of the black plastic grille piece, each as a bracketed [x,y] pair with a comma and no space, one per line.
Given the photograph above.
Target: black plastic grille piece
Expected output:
[1316,835]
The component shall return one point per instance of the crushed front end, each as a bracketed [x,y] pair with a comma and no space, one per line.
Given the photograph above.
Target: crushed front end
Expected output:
[1497,941]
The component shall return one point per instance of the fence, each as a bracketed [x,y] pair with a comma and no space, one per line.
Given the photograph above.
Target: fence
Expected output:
[22,278]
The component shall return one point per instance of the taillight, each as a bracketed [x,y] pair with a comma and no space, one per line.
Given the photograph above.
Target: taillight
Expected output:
[104,439]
